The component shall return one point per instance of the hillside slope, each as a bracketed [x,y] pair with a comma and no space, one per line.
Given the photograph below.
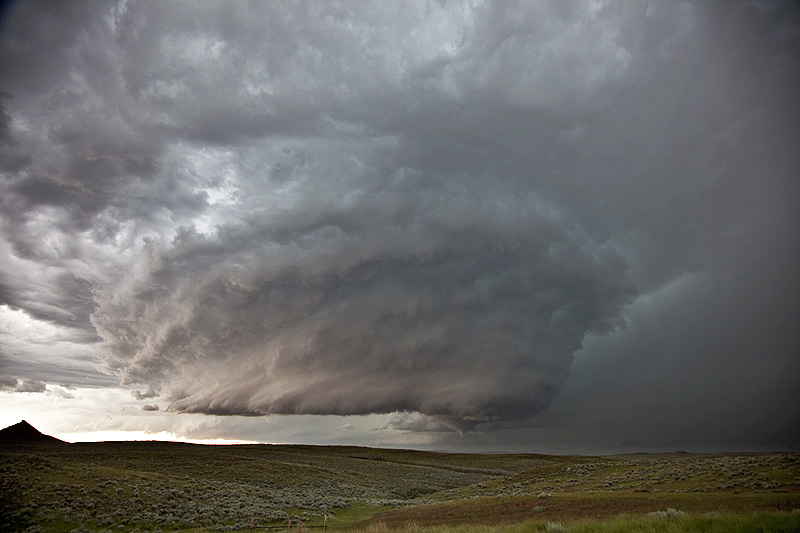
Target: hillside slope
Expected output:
[148,485]
[24,433]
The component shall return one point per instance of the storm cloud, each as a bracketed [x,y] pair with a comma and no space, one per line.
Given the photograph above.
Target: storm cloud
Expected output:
[421,208]
[360,310]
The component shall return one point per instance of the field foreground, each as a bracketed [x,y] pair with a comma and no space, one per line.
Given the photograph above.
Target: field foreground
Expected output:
[149,486]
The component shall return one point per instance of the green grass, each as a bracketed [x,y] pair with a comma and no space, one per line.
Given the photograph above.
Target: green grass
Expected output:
[761,522]
[170,486]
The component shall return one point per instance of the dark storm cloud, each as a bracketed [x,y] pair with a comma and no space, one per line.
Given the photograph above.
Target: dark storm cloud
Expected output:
[8,382]
[326,209]
[359,310]
[5,135]
[83,176]
[31,385]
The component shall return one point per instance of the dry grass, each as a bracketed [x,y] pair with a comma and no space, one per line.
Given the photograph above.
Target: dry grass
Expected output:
[169,486]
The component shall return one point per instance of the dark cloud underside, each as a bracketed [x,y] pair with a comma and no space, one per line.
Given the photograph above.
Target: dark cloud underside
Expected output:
[316,208]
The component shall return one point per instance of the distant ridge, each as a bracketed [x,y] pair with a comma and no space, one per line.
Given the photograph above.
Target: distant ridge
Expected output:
[24,433]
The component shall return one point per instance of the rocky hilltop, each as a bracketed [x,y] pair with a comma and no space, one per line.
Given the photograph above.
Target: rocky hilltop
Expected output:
[24,433]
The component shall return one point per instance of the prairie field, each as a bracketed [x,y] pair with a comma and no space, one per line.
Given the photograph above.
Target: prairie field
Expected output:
[161,486]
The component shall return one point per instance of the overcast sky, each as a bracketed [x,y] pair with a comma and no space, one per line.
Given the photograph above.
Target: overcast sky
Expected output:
[542,226]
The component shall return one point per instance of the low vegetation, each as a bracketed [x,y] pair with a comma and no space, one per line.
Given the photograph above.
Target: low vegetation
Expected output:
[150,486]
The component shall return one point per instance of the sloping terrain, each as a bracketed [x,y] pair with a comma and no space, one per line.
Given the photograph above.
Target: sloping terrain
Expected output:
[174,485]
[597,487]
[24,433]
[149,485]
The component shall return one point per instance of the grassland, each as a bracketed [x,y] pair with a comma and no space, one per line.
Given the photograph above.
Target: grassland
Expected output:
[148,486]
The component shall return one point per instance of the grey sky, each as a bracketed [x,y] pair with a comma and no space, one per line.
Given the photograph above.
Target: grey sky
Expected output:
[546,223]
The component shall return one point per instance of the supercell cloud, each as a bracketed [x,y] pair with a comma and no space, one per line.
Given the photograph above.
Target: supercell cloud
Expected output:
[419,207]
[446,296]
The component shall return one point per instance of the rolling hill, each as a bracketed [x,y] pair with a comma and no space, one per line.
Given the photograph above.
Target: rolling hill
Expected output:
[125,486]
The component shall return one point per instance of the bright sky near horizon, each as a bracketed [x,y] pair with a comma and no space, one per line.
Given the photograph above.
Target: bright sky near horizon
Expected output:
[461,225]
